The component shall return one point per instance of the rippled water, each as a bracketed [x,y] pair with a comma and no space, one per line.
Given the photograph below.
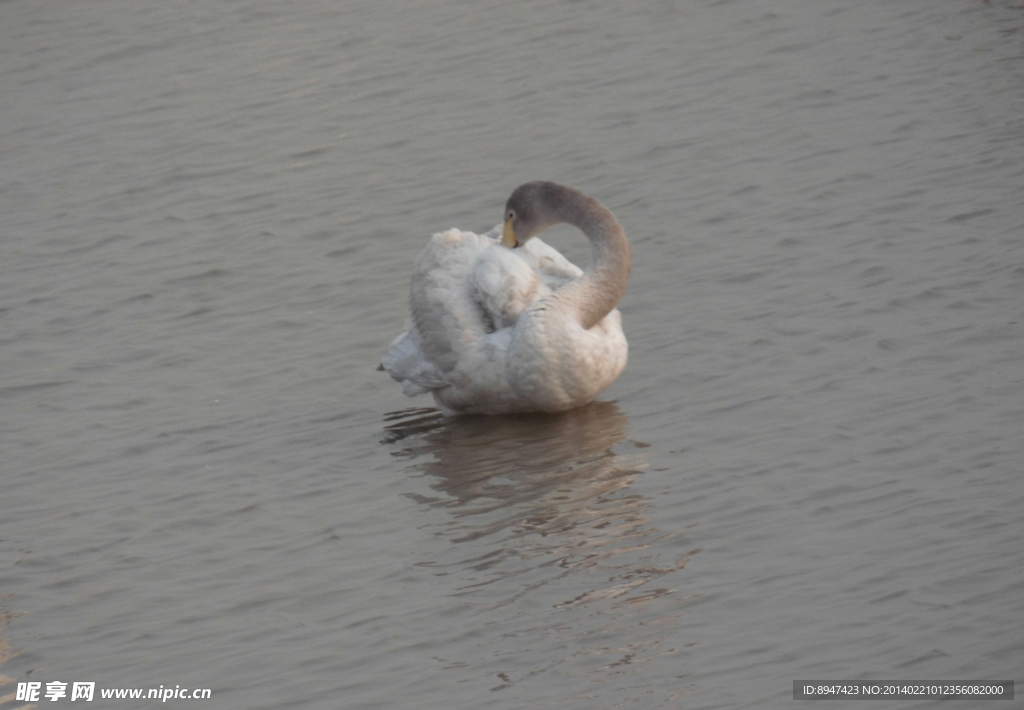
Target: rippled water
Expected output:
[810,469]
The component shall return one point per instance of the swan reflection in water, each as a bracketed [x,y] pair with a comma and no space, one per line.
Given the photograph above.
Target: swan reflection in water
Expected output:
[544,522]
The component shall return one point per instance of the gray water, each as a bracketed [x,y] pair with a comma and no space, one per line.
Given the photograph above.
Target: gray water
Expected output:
[812,467]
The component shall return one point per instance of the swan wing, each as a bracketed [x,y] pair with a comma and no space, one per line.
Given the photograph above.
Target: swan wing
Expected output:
[506,283]
[464,288]
[550,265]
[443,301]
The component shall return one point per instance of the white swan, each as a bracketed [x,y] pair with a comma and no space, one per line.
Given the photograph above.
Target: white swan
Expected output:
[515,327]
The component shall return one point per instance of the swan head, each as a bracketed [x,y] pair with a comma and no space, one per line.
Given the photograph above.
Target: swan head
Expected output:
[532,208]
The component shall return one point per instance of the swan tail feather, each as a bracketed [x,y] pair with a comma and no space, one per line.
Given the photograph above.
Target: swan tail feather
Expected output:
[407,364]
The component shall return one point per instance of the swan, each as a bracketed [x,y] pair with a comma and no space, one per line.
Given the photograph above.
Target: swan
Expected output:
[510,325]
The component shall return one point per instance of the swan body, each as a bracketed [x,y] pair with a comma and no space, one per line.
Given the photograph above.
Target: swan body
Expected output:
[510,325]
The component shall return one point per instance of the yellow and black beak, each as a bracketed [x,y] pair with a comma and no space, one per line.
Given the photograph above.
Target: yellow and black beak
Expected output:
[508,235]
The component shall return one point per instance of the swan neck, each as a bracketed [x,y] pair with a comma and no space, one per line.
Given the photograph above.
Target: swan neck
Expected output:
[604,282]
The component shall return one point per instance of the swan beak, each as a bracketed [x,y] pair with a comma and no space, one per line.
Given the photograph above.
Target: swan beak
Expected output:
[508,235]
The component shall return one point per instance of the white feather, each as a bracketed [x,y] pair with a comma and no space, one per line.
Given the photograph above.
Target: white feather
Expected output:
[486,336]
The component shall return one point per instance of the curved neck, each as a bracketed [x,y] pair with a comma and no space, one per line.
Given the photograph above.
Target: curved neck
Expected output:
[604,282]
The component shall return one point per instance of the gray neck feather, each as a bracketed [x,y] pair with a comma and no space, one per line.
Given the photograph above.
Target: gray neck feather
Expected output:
[603,284]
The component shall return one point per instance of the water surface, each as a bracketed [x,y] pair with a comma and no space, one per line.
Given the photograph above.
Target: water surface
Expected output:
[810,469]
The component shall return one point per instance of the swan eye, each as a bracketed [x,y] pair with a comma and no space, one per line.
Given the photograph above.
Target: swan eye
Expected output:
[510,215]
